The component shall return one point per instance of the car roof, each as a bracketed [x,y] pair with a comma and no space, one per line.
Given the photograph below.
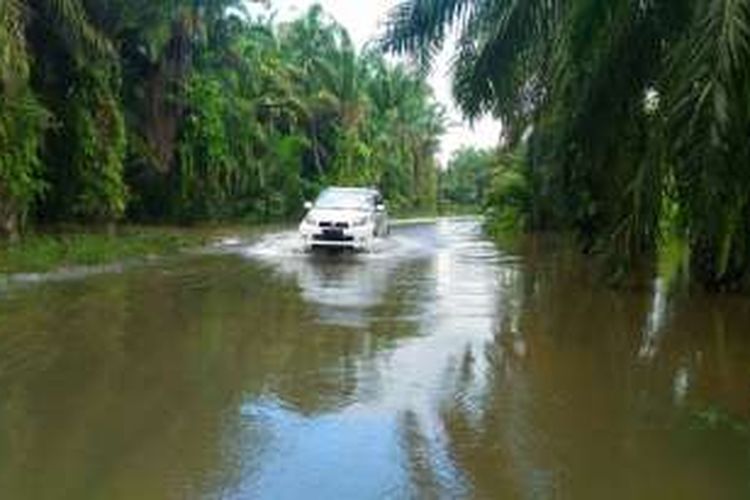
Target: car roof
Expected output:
[352,190]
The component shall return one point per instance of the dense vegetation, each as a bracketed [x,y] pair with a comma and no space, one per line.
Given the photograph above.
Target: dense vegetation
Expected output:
[187,110]
[465,179]
[492,181]
[633,117]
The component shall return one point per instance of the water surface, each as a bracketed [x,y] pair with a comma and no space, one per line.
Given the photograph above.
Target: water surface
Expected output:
[437,367]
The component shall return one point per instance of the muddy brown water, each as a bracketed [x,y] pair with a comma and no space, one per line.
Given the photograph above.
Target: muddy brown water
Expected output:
[437,367]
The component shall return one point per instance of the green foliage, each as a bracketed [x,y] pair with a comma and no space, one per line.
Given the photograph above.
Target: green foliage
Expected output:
[284,187]
[205,165]
[21,126]
[22,121]
[493,181]
[622,105]
[43,253]
[466,179]
[192,111]
[508,201]
[98,147]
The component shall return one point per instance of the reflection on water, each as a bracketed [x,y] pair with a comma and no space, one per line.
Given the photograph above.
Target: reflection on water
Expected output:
[437,367]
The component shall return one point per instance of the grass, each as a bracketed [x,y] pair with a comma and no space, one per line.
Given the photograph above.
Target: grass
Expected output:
[46,252]
[74,246]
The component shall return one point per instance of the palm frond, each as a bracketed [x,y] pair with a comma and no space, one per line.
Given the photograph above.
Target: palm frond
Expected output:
[420,27]
[709,118]
[75,23]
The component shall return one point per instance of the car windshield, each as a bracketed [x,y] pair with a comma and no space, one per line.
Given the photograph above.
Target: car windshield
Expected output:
[344,199]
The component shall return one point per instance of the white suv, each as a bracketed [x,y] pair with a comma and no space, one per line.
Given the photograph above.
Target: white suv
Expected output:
[345,218]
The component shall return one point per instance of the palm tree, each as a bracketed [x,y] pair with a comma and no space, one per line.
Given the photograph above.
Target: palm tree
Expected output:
[331,80]
[636,103]
[20,127]
[191,109]
[707,129]
[22,117]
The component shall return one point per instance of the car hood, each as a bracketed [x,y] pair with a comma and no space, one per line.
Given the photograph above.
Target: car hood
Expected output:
[336,215]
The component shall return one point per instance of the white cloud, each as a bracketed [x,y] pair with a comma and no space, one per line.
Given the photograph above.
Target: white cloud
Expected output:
[363,20]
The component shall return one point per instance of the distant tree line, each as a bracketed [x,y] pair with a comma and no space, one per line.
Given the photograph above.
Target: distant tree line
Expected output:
[184,110]
[488,180]
[632,118]
[465,180]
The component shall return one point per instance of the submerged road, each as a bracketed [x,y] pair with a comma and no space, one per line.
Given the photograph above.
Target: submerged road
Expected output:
[438,366]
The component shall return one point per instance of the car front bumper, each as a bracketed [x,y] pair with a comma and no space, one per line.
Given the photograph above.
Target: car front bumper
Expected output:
[358,237]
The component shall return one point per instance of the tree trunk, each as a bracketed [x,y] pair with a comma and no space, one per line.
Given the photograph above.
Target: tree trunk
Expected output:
[8,219]
[164,101]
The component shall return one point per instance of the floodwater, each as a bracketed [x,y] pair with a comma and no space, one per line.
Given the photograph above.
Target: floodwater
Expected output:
[437,367]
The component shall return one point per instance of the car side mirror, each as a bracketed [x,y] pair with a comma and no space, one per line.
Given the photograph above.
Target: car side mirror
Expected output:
[308,205]
[380,207]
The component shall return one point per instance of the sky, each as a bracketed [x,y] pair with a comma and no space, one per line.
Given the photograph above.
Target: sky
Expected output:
[363,18]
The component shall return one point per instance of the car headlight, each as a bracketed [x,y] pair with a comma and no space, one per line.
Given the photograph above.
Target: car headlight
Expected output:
[361,221]
[309,220]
